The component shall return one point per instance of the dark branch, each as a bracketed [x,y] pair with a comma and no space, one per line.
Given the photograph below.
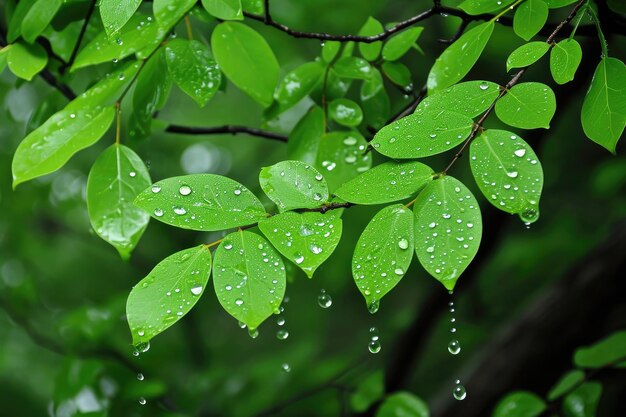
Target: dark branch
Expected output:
[227,129]
[92,6]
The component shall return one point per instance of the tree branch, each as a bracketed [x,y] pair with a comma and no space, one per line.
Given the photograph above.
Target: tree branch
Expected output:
[226,129]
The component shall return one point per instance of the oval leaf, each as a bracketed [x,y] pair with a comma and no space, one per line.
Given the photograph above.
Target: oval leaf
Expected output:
[403,404]
[605,352]
[566,384]
[375,101]
[201,202]
[38,18]
[520,404]
[294,184]
[352,67]
[422,134]
[508,173]
[224,9]
[448,229]
[371,51]
[169,292]
[386,183]
[527,106]
[26,61]
[168,12]
[470,98]
[529,18]
[246,59]
[305,137]
[306,239]
[526,55]
[115,14]
[475,7]
[399,44]
[583,401]
[383,253]
[345,112]
[298,84]
[564,60]
[341,156]
[249,277]
[115,179]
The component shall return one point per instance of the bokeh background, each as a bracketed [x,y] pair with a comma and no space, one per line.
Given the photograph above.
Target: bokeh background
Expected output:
[530,298]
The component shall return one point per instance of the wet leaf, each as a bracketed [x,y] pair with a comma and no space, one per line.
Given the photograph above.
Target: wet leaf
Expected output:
[526,55]
[564,60]
[341,156]
[403,404]
[298,84]
[352,67]
[527,106]
[115,14]
[398,45]
[375,101]
[224,9]
[345,112]
[38,18]
[475,7]
[583,401]
[169,12]
[520,404]
[305,137]
[26,61]
[294,184]
[529,18]
[470,98]
[371,51]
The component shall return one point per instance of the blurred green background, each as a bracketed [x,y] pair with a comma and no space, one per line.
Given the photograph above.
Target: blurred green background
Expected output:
[531,297]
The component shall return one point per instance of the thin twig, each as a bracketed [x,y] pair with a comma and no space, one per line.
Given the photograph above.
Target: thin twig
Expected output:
[226,129]
[81,35]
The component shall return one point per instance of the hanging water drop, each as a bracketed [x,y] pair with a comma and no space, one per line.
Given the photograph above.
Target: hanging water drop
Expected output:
[280,320]
[459,391]
[454,347]
[286,367]
[282,334]
[253,333]
[373,306]
[324,300]
[374,344]
[241,324]
[158,212]
[140,377]
[142,401]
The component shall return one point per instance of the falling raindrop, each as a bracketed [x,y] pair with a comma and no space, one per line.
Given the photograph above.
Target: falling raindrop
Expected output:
[286,367]
[373,306]
[142,401]
[374,345]
[454,347]
[280,320]
[324,299]
[140,377]
[282,334]
[459,391]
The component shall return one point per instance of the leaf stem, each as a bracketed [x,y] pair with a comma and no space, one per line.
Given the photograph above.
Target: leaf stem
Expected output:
[596,21]
[188,26]
[118,122]
[503,12]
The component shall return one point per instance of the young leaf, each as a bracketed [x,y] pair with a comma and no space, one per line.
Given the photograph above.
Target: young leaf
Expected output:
[565,384]
[508,173]
[246,59]
[526,55]
[169,292]
[607,351]
[249,277]
[341,156]
[38,18]
[459,58]
[529,18]
[253,6]
[306,135]
[470,98]
[399,44]
[224,9]
[368,391]
[306,239]
[448,229]
[168,12]
[474,7]
[383,253]
[422,134]
[151,92]
[106,91]
[386,183]
[520,404]
[345,112]
[140,36]
[527,106]
[19,13]
[604,110]
[205,202]
[298,84]
[193,69]
[564,60]
[294,184]
[371,51]
[375,101]
[115,179]
[583,401]
[115,14]
[49,147]
[330,50]
[403,404]
[26,61]
[398,73]
[353,67]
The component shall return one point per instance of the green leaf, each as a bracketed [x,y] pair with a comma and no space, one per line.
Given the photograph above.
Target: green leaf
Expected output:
[249,277]
[38,18]
[526,55]
[49,147]
[345,112]
[115,179]
[253,6]
[140,36]
[115,14]
[375,101]
[470,98]
[305,137]
[403,404]
[520,404]
[341,156]
[564,60]
[330,49]
[294,184]
[386,183]
[193,69]
[604,110]
[398,73]
[298,84]
[565,384]
[169,292]
[508,173]
[4,52]
[26,61]
[422,134]
[201,202]
[399,44]
[611,350]
[475,7]
[529,18]
[448,229]
[383,253]
[20,12]
[459,58]
[527,106]
[224,9]
[106,91]
[246,59]
[555,4]
[306,239]
[353,67]
[368,391]
[169,12]
[371,51]
[583,402]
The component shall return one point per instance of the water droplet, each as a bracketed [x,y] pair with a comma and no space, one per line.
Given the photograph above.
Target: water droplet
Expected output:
[228,246]
[280,320]
[512,174]
[184,190]
[241,324]
[315,249]
[119,41]
[253,333]
[237,191]
[520,152]
[459,391]
[140,377]
[286,367]
[132,174]
[180,210]
[156,189]
[373,306]
[142,401]
[282,334]
[299,258]
[403,244]
[196,289]
[142,347]
[239,301]
[324,300]
[158,212]
[349,141]
[398,271]
[454,347]
[374,345]
[72,116]
[529,216]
